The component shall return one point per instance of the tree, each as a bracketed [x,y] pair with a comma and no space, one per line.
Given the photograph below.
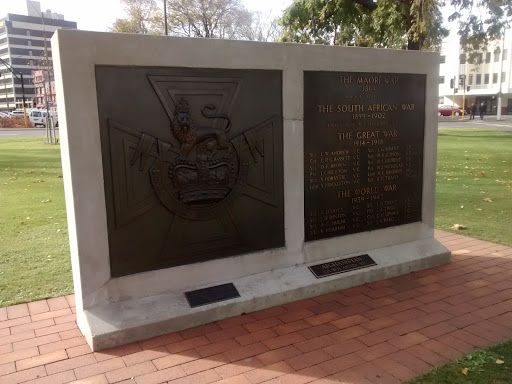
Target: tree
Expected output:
[406,24]
[144,16]
[225,19]
[264,27]
[480,21]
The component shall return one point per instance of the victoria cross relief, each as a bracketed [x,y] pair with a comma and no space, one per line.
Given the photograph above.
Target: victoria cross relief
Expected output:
[193,164]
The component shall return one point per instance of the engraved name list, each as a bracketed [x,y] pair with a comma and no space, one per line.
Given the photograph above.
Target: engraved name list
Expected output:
[363,151]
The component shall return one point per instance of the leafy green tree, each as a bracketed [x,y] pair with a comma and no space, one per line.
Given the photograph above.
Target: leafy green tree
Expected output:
[481,21]
[406,24]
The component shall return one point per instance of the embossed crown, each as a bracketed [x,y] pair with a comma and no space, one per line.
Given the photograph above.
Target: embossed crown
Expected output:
[204,182]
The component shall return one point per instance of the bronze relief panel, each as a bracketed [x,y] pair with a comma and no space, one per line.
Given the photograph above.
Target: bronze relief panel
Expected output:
[193,164]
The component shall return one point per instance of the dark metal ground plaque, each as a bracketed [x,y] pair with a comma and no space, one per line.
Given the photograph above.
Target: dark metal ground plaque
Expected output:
[342,265]
[211,295]
[193,164]
[363,151]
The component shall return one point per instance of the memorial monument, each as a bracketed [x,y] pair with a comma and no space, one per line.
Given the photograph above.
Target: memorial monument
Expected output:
[209,178]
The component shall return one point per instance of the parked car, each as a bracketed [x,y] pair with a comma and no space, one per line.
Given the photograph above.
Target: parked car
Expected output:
[446,110]
[18,113]
[38,117]
[4,114]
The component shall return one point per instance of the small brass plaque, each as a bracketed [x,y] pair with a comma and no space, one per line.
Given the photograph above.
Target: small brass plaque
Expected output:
[211,295]
[341,266]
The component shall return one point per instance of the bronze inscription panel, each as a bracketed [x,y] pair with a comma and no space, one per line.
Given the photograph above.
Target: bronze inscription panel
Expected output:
[193,164]
[363,151]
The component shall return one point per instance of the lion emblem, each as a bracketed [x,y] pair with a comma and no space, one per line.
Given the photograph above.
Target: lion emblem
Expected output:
[189,135]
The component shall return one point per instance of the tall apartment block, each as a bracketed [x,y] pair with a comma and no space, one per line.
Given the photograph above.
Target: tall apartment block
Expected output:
[24,44]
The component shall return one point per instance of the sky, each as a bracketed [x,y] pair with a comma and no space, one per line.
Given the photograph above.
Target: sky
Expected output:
[99,15]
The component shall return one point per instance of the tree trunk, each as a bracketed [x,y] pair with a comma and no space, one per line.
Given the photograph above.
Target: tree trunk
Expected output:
[413,45]
[416,45]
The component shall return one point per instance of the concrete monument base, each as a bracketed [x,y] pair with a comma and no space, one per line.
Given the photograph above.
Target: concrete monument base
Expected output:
[109,325]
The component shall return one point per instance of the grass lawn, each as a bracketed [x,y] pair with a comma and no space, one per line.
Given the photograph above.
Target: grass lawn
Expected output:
[34,250]
[490,366]
[473,165]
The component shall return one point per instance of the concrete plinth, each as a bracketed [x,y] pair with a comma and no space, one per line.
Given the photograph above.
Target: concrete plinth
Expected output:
[114,311]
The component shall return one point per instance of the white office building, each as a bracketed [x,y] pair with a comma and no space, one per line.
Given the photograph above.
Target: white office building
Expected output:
[22,45]
[490,74]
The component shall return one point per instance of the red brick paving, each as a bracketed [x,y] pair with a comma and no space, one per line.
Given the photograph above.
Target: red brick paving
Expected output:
[383,332]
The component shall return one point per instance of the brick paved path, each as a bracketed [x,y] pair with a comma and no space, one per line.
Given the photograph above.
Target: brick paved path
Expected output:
[384,332]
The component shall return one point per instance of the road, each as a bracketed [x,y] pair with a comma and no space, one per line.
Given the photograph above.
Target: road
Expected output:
[504,125]
[23,132]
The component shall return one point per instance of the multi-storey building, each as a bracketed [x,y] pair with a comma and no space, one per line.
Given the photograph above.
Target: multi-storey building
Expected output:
[486,77]
[44,90]
[25,45]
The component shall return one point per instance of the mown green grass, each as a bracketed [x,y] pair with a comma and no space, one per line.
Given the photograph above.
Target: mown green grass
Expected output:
[482,368]
[472,165]
[34,254]
[34,250]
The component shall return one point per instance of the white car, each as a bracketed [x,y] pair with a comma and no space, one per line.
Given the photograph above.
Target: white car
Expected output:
[18,113]
[38,117]
[4,114]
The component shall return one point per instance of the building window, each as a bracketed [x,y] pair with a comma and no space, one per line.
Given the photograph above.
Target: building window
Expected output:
[462,58]
[486,78]
[496,55]
[441,79]
[505,55]
[480,58]
[478,79]
[503,77]
[470,80]
[488,57]
[442,59]
[495,78]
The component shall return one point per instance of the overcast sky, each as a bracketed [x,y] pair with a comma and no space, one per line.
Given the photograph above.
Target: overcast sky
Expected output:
[99,15]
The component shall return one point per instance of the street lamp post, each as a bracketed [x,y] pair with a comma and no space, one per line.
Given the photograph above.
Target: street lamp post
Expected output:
[165,17]
[498,112]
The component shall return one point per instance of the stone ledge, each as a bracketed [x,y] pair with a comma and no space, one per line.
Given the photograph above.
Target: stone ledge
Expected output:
[123,322]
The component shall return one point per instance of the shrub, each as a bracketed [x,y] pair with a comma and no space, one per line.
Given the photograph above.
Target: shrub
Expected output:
[14,122]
